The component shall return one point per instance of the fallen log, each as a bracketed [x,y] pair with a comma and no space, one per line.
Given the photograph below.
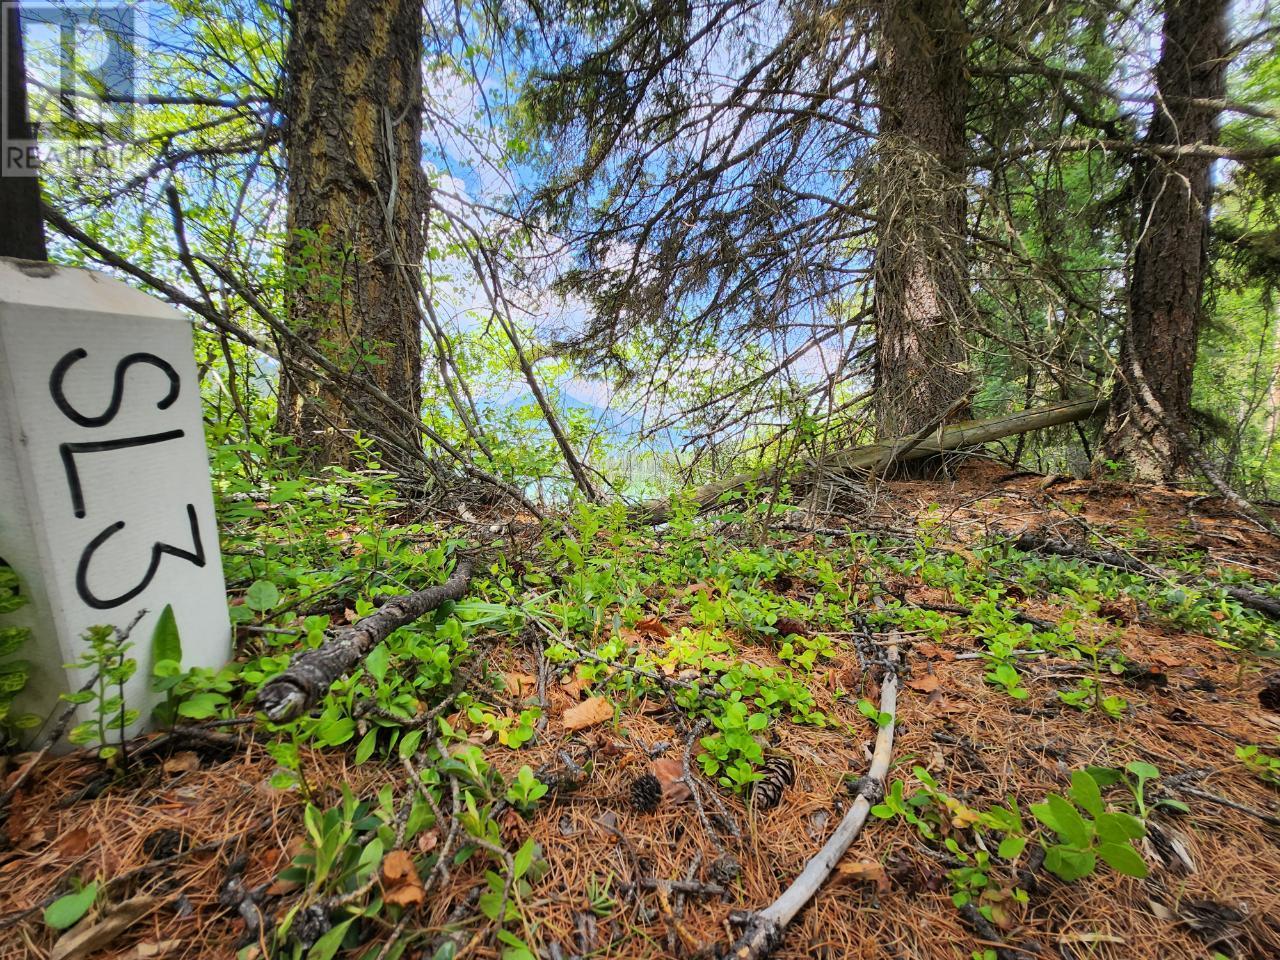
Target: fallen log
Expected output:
[968,433]
[310,674]
[1030,541]
[763,929]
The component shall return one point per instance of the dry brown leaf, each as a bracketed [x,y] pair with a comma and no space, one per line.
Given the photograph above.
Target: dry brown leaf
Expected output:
[511,823]
[864,871]
[280,888]
[653,626]
[154,949]
[931,651]
[400,880]
[428,841]
[398,868]
[520,685]
[185,761]
[575,687]
[790,626]
[588,713]
[926,684]
[670,773]
[75,842]
[405,895]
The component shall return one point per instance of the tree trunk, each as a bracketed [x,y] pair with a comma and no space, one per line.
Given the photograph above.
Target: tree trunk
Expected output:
[357,200]
[23,232]
[920,265]
[1167,282]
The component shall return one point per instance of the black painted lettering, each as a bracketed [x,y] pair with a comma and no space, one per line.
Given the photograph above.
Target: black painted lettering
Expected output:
[117,390]
[158,550]
[69,451]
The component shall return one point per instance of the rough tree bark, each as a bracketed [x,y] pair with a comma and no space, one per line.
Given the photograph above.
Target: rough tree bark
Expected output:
[921,291]
[23,231]
[1167,282]
[357,200]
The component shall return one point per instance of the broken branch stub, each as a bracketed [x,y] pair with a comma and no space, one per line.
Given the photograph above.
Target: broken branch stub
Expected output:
[310,674]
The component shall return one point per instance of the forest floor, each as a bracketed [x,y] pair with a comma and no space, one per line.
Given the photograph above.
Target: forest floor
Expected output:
[1106,668]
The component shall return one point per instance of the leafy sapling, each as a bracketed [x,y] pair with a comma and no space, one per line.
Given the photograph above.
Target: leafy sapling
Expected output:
[873,713]
[106,657]
[1264,766]
[525,791]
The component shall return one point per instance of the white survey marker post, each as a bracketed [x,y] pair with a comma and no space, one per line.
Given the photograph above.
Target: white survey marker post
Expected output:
[106,507]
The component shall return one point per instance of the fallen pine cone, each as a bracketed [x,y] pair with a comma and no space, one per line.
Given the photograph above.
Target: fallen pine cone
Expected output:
[786,626]
[646,793]
[779,773]
[1269,695]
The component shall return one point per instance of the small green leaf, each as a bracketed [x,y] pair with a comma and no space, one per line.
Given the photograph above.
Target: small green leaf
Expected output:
[66,911]
[409,745]
[12,639]
[1084,791]
[166,644]
[261,596]
[376,662]
[327,946]
[1122,858]
[1011,848]
[336,732]
[1119,827]
[202,706]
[367,745]
[1104,776]
[1063,819]
[524,857]
[1068,864]
[370,857]
[1143,771]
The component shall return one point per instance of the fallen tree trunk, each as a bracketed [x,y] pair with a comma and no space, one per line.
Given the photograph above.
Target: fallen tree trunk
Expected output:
[1030,541]
[763,929]
[966,434]
[310,674]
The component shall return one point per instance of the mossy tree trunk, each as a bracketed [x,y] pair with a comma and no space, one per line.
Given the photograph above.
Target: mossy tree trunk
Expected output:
[357,199]
[921,286]
[1166,287]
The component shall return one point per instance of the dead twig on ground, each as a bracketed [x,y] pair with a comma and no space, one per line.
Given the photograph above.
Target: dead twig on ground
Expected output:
[764,929]
[310,674]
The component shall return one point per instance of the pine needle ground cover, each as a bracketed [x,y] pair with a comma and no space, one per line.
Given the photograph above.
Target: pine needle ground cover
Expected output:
[624,738]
